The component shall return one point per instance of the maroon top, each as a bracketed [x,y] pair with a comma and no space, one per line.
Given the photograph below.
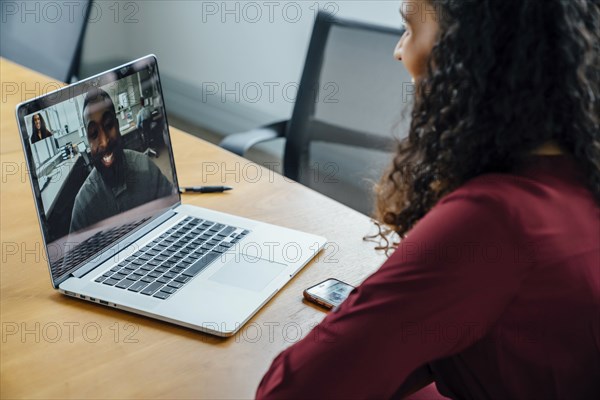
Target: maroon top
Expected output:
[495,292]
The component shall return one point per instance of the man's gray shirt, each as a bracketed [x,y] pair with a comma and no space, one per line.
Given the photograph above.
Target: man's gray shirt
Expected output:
[140,182]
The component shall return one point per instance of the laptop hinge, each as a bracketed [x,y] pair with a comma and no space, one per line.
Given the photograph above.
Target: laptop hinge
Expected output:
[118,247]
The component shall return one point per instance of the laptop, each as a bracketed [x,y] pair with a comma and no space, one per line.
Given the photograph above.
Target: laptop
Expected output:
[110,212]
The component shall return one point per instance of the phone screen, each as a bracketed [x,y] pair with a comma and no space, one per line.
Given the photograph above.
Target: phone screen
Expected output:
[330,293]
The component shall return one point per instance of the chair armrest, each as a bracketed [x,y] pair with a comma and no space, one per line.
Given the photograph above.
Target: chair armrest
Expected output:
[239,143]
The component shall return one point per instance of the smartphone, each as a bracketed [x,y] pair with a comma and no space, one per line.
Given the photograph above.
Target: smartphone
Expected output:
[329,293]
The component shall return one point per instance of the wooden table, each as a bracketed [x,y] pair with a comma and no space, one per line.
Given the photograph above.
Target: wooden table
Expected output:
[54,346]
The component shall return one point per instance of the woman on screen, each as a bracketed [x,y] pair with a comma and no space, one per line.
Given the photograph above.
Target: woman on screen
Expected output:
[38,127]
[494,290]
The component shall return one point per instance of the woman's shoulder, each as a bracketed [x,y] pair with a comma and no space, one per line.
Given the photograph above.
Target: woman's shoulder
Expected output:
[540,178]
[493,188]
[535,196]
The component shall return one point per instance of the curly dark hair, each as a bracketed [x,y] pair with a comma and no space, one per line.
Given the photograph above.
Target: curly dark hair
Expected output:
[504,78]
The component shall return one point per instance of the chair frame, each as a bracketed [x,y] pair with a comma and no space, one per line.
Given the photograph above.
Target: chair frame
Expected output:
[74,63]
[296,154]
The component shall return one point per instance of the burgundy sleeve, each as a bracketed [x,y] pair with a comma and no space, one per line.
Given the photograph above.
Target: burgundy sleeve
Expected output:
[441,290]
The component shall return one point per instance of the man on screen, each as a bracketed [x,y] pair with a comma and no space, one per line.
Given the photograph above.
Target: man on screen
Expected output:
[121,179]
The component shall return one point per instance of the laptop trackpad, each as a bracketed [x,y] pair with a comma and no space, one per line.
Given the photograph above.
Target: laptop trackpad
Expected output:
[248,272]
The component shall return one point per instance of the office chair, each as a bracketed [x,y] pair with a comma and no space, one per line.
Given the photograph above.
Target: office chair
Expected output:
[347,114]
[45,36]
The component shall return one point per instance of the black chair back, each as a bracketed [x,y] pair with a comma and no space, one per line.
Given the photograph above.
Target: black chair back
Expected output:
[44,35]
[349,110]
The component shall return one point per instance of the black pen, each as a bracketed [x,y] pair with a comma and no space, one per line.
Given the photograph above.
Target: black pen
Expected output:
[204,189]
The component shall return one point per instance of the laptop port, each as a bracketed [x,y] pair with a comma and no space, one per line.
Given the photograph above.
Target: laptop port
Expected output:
[82,296]
[104,302]
[92,299]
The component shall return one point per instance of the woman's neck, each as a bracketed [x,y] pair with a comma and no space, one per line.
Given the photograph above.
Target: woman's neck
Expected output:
[550,148]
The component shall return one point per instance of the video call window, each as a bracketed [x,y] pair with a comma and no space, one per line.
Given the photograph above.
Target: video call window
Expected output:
[101,153]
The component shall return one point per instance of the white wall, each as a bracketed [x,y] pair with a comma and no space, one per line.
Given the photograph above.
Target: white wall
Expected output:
[250,49]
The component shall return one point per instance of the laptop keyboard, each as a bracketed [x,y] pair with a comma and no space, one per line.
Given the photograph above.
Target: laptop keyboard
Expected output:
[165,265]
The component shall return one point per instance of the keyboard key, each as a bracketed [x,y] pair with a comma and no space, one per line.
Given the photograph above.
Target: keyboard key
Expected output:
[153,287]
[125,283]
[227,230]
[175,284]
[181,279]
[136,287]
[169,263]
[161,269]
[147,267]
[100,279]
[147,279]
[154,274]
[162,295]
[111,282]
[200,264]
[168,289]
[170,275]
[163,280]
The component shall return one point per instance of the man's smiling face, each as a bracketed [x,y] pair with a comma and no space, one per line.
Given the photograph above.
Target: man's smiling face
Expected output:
[103,136]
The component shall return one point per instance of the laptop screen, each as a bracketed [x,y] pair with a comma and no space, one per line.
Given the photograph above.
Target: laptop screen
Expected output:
[100,161]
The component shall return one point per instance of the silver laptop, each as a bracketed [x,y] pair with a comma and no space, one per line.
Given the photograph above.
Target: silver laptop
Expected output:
[106,192]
